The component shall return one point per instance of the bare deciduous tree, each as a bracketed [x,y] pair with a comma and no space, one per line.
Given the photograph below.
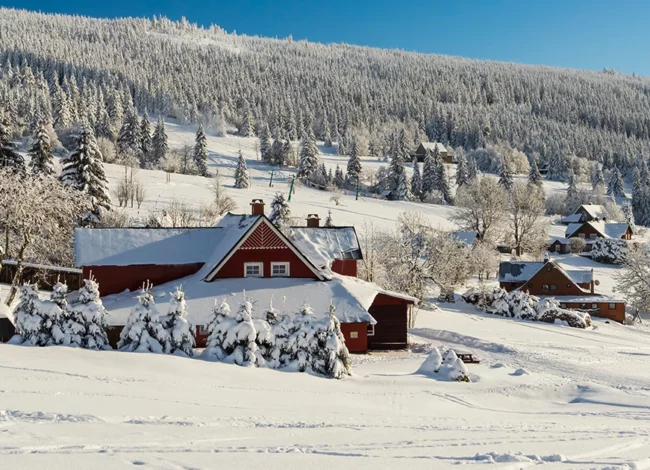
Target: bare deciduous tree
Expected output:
[527,227]
[634,280]
[481,207]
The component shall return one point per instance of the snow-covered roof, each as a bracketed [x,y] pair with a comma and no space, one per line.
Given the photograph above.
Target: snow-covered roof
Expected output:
[572,219]
[562,240]
[352,297]
[596,211]
[518,271]
[13,262]
[132,246]
[433,145]
[466,238]
[594,298]
[580,276]
[605,229]
[322,245]
[234,227]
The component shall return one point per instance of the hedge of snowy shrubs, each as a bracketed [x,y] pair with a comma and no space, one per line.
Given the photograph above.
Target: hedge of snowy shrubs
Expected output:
[299,343]
[518,304]
[609,250]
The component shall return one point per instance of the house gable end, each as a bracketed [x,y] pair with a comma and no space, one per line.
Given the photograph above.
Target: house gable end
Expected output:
[551,275]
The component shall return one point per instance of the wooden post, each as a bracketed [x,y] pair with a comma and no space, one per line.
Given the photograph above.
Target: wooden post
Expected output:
[271,180]
[293,180]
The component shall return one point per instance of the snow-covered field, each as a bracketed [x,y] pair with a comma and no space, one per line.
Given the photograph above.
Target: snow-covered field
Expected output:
[543,394]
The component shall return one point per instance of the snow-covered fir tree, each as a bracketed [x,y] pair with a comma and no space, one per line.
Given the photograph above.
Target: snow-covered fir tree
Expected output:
[354,166]
[239,343]
[242,181]
[534,176]
[330,356]
[327,134]
[200,154]
[128,137]
[280,211]
[572,196]
[403,190]
[83,170]
[615,185]
[329,221]
[220,322]
[308,163]
[143,331]
[159,145]
[302,340]
[180,331]
[31,328]
[9,156]
[597,178]
[246,129]
[472,170]
[506,179]
[461,171]
[416,180]
[628,213]
[42,161]
[339,177]
[146,142]
[442,181]
[276,154]
[85,322]
[429,176]
[265,144]
[396,166]
[59,297]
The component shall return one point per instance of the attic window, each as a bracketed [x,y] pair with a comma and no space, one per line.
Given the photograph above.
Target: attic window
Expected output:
[253,270]
[279,269]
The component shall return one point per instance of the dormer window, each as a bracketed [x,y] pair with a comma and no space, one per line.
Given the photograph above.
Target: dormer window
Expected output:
[279,269]
[253,270]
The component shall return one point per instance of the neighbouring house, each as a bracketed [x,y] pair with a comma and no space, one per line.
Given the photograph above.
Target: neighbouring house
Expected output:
[245,253]
[590,231]
[574,289]
[558,245]
[445,153]
[44,275]
[7,329]
[586,213]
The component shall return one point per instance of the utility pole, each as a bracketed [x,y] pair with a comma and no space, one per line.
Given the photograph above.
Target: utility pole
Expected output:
[293,180]
[271,180]
[358,188]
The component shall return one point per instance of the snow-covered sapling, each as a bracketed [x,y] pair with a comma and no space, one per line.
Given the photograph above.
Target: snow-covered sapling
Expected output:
[180,331]
[220,321]
[86,318]
[143,331]
[239,342]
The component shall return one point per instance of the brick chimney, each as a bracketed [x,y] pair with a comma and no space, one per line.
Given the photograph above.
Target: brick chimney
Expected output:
[257,207]
[313,220]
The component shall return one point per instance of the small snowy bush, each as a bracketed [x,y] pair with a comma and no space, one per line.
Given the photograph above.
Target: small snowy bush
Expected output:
[220,321]
[179,330]
[239,341]
[143,331]
[609,250]
[447,366]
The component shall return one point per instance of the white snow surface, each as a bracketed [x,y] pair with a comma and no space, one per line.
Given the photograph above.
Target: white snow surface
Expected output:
[583,404]
[324,245]
[352,297]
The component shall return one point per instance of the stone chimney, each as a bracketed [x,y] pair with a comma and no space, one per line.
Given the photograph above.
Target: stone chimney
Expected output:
[257,207]
[313,220]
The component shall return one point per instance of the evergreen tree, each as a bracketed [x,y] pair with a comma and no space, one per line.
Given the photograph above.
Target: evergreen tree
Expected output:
[534,176]
[265,144]
[443,182]
[329,222]
[86,318]
[128,138]
[461,171]
[354,166]
[505,176]
[339,177]
[42,161]
[280,212]
[59,297]
[429,176]
[277,153]
[416,180]
[159,145]
[327,137]
[472,170]
[242,180]
[403,191]
[626,208]
[143,331]
[308,156]
[396,166]
[247,122]
[239,342]
[9,156]
[31,327]
[83,170]
[330,356]
[615,185]
[597,178]
[220,322]
[302,339]
[180,332]
[60,108]
[200,154]
[146,143]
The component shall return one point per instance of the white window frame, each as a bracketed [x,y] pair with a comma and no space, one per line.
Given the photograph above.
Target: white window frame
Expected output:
[371,330]
[260,265]
[283,263]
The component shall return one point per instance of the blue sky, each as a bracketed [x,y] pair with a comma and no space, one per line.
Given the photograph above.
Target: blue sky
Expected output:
[570,33]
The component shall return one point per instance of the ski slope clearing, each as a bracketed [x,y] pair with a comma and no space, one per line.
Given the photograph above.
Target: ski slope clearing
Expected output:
[543,394]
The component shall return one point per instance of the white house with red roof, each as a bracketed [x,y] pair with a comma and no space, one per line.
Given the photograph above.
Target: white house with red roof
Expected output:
[245,253]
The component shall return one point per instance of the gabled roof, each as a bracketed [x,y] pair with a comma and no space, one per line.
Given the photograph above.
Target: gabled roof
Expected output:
[433,145]
[465,237]
[136,246]
[604,229]
[572,219]
[595,211]
[238,228]
[323,245]
[524,271]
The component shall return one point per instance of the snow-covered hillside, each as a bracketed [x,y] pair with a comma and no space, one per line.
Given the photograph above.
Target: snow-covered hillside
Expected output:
[543,394]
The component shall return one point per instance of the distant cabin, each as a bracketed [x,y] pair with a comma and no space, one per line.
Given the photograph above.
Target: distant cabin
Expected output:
[447,154]
[586,213]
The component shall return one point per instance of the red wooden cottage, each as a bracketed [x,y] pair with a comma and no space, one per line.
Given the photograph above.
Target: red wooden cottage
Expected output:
[247,253]
[574,289]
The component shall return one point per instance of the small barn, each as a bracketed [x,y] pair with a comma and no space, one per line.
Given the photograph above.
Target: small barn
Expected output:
[586,213]
[424,147]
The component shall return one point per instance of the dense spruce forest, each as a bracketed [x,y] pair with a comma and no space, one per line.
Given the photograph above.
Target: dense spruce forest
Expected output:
[73,68]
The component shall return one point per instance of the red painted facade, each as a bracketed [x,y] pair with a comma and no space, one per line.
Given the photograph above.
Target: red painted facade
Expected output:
[116,279]
[541,283]
[391,329]
[360,330]
[346,267]
[598,308]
